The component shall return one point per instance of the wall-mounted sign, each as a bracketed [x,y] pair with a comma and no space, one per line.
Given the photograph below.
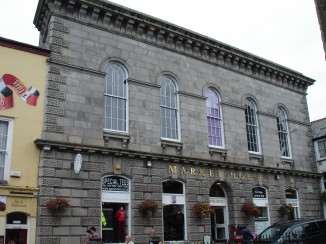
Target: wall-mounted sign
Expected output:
[115,183]
[258,192]
[8,83]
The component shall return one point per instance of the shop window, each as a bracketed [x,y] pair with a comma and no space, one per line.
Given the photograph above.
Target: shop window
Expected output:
[291,196]
[174,221]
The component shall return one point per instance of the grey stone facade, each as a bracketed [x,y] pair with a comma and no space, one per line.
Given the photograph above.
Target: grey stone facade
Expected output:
[86,35]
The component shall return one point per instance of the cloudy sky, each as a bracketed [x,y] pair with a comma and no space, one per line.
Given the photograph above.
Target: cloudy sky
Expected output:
[283,31]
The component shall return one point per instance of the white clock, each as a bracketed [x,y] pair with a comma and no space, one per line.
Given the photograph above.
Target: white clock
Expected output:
[78,163]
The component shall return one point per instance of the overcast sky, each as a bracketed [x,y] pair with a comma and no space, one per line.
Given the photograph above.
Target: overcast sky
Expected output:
[283,31]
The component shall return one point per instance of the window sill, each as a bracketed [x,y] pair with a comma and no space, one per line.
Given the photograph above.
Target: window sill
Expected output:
[258,157]
[124,138]
[222,152]
[288,161]
[165,144]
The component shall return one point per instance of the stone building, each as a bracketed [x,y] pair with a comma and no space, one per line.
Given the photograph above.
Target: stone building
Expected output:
[319,139]
[138,108]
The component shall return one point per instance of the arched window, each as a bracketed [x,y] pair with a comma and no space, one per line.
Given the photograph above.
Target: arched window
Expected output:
[283,132]
[252,126]
[169,109]
[216,191]
[116,98]
[214,119]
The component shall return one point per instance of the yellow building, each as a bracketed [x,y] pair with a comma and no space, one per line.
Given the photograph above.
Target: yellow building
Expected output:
[22,86]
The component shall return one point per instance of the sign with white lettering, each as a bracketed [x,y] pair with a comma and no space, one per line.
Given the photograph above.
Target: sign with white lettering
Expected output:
[115,183]
[258,192]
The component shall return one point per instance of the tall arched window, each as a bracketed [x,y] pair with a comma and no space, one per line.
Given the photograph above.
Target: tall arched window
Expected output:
[214,119]
[283,132]
[169,109]
[116,98]
[252,126]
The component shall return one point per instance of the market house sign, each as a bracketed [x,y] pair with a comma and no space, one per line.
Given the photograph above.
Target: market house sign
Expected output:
[173,169]
[115,183]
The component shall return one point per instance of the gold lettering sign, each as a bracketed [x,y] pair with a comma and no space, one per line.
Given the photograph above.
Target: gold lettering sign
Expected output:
[19,204]
[233,175]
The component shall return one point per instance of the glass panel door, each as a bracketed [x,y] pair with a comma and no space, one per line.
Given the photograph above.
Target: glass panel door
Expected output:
[219,223]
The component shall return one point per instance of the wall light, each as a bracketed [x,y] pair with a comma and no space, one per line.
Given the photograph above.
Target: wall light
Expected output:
[149,164]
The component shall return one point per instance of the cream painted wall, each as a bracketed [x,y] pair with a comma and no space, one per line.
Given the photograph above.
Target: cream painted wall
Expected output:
[28,120]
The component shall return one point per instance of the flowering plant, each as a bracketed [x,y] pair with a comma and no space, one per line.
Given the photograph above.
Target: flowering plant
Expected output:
[250,209]
[286,210]
[202,209]
[147,205]
[57,205]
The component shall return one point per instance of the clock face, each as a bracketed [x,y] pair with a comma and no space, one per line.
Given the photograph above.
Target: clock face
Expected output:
[78,163]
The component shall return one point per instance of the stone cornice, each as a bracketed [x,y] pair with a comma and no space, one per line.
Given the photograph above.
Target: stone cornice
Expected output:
[116,19]
[90,149]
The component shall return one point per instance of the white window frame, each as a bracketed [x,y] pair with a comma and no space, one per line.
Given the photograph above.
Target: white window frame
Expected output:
[255,126]
[294,202]
[278,115]
[317,151]
[8,146]
[177,109]
[126,98]
[220,118]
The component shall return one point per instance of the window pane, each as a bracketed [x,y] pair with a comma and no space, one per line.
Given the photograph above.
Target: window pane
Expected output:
[169,108]
[115,97]
[283,135]
[251,126]
[213,118]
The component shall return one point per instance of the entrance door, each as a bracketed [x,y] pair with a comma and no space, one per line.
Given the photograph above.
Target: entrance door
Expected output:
[110,228]
[19,236]
[219,224]
[219,218]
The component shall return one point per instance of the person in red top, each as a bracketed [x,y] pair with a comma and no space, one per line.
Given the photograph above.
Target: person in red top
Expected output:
[121,217]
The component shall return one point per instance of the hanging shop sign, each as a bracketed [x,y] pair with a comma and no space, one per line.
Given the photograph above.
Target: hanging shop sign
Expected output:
[115,183]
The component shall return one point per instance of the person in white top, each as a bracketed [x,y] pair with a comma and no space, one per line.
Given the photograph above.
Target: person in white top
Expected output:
[128,239]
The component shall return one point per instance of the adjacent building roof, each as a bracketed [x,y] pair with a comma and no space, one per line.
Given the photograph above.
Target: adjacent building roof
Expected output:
[318,128]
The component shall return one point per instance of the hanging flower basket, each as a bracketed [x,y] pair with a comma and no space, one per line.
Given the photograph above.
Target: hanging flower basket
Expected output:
[323,196]
[286,210]
[250,209]
[147,206]
[57,205]
[202,210]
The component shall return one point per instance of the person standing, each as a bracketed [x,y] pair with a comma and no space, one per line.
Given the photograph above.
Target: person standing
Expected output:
[121,217]
[128,239]
[94,234]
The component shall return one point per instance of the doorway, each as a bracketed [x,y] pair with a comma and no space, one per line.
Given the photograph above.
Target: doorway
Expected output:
[219,217]
[110,222]
[19,236]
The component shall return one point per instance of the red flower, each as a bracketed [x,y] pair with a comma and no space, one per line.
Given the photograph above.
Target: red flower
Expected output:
[249,208]
[57,204]
[202,210]
[147,205]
